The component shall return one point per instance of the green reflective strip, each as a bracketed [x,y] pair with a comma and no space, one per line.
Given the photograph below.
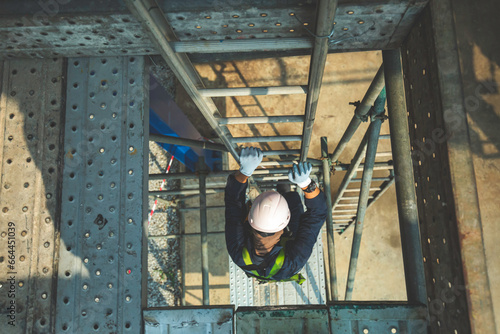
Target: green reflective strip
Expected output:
[248,260]
[277,264]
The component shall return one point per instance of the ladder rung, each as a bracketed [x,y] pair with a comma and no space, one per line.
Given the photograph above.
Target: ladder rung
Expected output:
[342,220]
[260,120]
[249,105]
[347,204]
[384,136]
[261,139]
[349,210]
[250,91]
[352,198]
[343,216]
[281,152]
[375,179]
[279,171]
[270,177]
[276,163]
[359,189]
[384,154]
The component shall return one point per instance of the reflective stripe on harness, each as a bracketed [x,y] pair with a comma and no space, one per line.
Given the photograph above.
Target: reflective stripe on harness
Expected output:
[274,270]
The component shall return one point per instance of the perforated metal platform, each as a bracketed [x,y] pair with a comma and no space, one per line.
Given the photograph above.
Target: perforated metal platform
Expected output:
[245,291]
[31,112]
[35,30]
[101,254]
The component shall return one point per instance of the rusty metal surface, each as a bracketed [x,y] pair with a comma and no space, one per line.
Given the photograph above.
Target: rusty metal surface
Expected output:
[108,29]
[30,165]
[445,183]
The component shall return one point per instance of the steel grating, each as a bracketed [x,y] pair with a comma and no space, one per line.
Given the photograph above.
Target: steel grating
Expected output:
[189,320]
[240,286]
[30,140]
[245,291]
[100,270]
[369,317]
[71,31]
[440,245]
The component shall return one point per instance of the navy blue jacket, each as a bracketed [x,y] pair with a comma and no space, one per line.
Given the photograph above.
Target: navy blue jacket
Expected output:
[297,251]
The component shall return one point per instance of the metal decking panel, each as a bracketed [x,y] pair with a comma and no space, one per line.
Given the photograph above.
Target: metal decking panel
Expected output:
[313,290]
[30,137]
[240,286]
[100,270]
[446,287]
[189,320]
[108,29]
[245,291]
[377,318]
[281,320]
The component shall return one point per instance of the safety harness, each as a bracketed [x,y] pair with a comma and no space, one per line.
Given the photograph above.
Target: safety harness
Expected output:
[278,263]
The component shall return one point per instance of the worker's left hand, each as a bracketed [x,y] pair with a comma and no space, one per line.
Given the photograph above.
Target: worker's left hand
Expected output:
[250,158]
[299,174]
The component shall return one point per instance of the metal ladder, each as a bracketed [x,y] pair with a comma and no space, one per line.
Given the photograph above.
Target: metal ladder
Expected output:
[148,11]
[345,204]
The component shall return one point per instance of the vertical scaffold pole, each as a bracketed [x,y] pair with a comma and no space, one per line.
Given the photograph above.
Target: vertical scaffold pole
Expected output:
[373,136]
[329,221]
[203,230]
[405,184]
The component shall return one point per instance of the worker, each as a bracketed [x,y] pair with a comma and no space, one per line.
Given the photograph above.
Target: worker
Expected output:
[257,239]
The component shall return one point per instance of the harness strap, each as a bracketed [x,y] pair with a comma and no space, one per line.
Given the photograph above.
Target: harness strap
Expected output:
[278,264]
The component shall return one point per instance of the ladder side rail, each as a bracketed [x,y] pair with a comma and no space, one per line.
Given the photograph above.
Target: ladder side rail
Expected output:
[325,18]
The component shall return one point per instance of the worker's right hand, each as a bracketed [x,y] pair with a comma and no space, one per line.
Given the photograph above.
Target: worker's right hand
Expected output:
[299,174]
[250,158]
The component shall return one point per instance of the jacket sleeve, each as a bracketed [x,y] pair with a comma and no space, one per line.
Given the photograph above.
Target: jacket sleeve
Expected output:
[236,211]
[299,250]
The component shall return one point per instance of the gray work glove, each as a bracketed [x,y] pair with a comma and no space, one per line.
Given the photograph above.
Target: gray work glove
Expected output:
[250,158]
[299,174]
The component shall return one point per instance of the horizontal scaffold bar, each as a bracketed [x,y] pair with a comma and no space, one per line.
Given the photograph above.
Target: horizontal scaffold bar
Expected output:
[186,142]
[244,45]
[265,139]
[251,91]
[261,120]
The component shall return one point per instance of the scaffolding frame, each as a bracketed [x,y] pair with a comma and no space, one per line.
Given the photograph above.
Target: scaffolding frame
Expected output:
[458,183]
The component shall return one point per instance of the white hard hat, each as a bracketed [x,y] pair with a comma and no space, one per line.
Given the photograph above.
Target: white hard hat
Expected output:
[269,212]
